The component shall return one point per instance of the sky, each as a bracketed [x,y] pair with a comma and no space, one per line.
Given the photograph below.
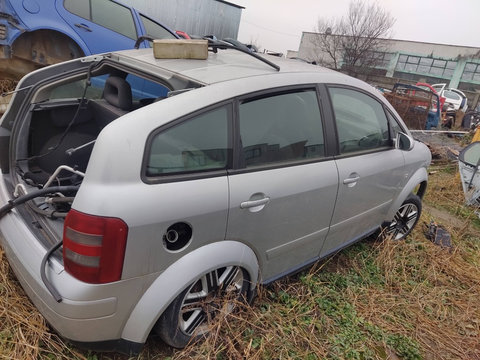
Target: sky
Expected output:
[277,25]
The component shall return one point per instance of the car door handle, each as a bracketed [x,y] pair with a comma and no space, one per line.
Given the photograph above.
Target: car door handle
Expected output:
[84,27]
[253,203]
[351,180]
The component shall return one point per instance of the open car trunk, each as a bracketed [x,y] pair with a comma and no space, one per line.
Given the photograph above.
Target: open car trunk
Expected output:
[54,128]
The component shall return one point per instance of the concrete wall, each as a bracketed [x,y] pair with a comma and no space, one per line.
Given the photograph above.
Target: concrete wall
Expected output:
[196,17]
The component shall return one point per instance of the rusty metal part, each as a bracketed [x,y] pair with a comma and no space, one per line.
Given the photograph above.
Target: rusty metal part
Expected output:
[412,107]
[33,50]
[15,68]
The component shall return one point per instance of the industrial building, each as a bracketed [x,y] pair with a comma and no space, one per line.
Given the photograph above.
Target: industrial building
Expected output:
[412,61]
[199,17]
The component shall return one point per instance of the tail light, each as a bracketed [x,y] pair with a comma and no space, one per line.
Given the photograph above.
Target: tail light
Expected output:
[94,247]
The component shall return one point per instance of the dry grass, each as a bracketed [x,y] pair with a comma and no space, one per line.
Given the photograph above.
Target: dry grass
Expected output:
[376,300]
[419,301]
[23,331]
[7,85]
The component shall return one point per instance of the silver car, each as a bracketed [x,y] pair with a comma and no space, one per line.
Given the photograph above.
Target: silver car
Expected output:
[138,190]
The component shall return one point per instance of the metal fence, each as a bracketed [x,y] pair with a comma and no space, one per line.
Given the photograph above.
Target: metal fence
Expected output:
[199,17]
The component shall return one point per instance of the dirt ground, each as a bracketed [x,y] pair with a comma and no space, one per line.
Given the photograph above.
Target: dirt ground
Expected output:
[5,87]
[442,146]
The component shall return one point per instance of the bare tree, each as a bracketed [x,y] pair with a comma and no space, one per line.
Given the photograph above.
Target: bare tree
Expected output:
[327,47]
[354,42]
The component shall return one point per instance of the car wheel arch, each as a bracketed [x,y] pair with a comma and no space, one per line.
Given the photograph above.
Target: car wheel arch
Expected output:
[60,37]
[67,35]
[29,51]
[184,271]
[416,184]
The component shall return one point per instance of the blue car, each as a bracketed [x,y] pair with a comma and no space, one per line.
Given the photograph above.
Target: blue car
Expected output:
[35,33]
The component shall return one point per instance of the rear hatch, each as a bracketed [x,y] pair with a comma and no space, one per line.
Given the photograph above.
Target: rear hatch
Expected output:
[50,128]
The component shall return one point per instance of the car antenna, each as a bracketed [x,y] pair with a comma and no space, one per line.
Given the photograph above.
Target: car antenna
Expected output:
[218,44]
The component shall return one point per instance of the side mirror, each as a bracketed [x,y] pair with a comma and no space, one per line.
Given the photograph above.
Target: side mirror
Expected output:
[404,142]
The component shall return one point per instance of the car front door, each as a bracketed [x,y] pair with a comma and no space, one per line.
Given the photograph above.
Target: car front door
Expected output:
[283,190]
[104,25]
[370,168]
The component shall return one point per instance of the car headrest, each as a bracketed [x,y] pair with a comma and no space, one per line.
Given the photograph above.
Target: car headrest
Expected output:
[118,93]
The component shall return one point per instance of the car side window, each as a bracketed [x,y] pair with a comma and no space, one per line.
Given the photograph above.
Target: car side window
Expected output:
[360,119]
[197,144]
[143,89]
[155,30]
[281,128]
[106,13]
[75,89]
[114,16]
[395,128]
[451,95]
[79,8]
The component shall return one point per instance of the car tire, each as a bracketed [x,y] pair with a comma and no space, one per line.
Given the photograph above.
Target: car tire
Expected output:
[190,314]
[405,218]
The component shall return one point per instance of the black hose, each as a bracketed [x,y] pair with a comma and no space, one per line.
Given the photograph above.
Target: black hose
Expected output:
[56,295]
[52,214]
[141,39]
[23,199]
[32,195]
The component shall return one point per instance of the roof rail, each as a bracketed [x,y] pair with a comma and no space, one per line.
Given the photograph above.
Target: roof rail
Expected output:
[214,45]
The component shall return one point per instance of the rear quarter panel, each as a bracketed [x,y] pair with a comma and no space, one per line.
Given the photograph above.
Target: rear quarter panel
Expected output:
[46,17]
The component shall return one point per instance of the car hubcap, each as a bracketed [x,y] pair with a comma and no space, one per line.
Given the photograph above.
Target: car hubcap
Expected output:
[214,292]
[403,221]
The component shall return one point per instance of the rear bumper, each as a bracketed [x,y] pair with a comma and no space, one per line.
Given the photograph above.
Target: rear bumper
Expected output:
[87,313]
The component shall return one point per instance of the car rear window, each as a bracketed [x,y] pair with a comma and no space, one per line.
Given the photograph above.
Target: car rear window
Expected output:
[198,144]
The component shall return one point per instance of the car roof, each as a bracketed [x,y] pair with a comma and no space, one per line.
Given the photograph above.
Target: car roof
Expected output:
[222,66]
[230,73]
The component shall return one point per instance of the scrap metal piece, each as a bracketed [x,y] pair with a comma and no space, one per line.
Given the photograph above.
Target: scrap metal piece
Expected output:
[438,235]
[418,107]
[468,164]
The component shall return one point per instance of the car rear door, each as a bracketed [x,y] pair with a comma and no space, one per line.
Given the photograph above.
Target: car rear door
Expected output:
[185,199]
[371,169]
[152,28]
[283,190]
[104,25]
